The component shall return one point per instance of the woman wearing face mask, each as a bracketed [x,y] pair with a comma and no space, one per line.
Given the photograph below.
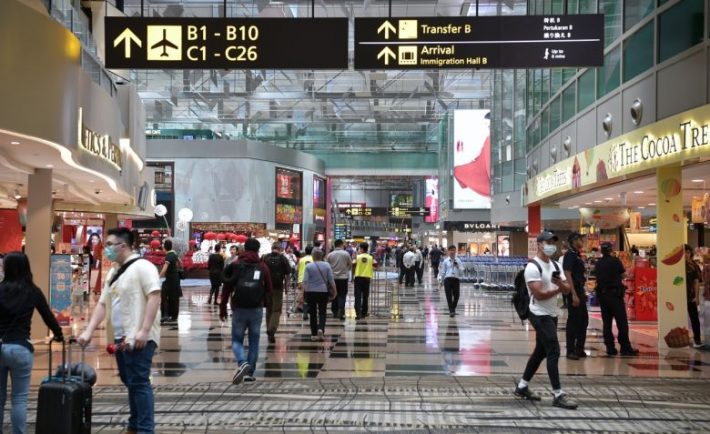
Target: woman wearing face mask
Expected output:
[19,297]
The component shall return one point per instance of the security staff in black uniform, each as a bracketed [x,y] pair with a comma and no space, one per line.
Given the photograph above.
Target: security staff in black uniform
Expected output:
[578,317]
[610,293]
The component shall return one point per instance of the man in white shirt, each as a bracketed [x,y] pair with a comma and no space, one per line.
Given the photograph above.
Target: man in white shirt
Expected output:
[409,261]
[130,303]
[418,264]
[341,263]
[450,276]
[545,282]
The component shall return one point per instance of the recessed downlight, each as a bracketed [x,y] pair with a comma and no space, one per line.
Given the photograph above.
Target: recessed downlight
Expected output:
[608,198]
[638,192]
[587,203]
[597,201]
[49,166]
[642,207]
[651,204]
[91,181]
[14,142]
[698,180]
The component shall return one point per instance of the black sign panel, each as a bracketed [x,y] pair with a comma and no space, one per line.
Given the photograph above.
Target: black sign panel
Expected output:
[226,43]
[479,42]
[409,211]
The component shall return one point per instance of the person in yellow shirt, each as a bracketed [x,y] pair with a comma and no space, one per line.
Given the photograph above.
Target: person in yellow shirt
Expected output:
[307,259]
[364,265]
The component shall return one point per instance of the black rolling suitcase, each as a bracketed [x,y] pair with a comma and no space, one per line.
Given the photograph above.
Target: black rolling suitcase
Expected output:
[64,403]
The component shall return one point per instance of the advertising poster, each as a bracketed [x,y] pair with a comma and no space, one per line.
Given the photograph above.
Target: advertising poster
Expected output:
[699,210]
[288,184]
[472,159]
[503,245]
[401,200]
[60,280]
[11,230]
[646,294]
[288,213]
[432,200]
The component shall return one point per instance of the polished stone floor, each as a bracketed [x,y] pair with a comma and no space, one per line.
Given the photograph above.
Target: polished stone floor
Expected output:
[407,368]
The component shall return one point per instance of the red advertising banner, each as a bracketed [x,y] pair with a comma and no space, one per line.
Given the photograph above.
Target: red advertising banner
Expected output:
[11,239]
[646,294]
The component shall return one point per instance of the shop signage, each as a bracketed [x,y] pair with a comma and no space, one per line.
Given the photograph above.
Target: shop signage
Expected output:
[60,283]
[99,145]
[558,179]
[471,226]
[479,42]
[673,140]
[252,228]
[409,211]
[226,43]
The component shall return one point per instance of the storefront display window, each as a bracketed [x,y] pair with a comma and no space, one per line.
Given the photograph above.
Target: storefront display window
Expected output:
[638,52]
[608,76]
[679,28]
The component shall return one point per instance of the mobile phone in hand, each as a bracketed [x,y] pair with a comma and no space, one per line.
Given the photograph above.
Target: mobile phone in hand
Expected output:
[555,274]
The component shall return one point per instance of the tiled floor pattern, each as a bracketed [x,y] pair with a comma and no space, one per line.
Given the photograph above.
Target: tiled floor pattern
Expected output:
[416,405]
[467,364]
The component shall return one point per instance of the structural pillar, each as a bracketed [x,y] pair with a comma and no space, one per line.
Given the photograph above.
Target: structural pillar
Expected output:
[328,214]
[534,220]
[111,222]
[672,306]
[38,237]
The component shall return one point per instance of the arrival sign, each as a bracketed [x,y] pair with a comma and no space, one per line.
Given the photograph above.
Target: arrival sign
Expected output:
[479,42]
[226,43]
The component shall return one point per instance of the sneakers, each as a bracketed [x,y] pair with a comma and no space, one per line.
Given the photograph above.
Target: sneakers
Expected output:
[240,372]
[573,356]
[564,402]
[612,352]
[582,354]
[321,337]
[525,393]
[272,337]
[452,314]
[314,339]
[630,353]
[249,379]
[695,345]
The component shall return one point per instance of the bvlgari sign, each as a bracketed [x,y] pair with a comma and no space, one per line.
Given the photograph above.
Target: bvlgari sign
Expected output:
[99,145]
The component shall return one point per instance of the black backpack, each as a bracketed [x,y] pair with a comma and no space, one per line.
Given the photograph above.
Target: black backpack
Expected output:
[277,268]
[521,296]
[249,289]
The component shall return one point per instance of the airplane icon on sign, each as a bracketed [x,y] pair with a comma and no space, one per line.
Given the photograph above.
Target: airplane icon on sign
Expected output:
[164,44]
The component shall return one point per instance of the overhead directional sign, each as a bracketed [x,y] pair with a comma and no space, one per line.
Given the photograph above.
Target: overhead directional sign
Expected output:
[226,43]
[479,42]
[409,212]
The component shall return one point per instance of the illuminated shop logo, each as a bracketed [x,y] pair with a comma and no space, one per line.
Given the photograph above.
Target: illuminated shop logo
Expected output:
[99,145]
[559,178]
[653,148]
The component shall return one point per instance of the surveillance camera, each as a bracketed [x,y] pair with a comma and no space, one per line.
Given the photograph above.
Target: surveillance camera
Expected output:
[97,191]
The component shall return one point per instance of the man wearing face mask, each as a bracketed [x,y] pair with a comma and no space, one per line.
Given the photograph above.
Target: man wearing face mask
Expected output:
[545,283]
[130,303]
[578,317]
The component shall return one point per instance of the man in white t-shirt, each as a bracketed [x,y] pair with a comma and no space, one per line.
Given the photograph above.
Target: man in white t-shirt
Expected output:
[545,282]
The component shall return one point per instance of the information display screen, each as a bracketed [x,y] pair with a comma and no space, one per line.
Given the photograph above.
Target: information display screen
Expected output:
[288,185]
[472,159]
[226,43]
[288,213]
[479,42]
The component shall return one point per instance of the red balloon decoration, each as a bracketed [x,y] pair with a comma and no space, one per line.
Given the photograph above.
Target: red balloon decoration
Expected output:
[210,236]
[155,234]
[232,236]
[241,238]
[221,236]
[155,244]
[193,242]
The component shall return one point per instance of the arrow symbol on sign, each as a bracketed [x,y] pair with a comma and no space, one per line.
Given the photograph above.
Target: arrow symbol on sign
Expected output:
[387,53]
[387,27]
[126,37]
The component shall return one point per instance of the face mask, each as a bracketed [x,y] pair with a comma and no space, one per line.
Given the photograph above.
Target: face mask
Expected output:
[110,253]
[549,249]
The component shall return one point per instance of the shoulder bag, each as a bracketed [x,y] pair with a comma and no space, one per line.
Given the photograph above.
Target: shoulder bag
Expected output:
[331,290]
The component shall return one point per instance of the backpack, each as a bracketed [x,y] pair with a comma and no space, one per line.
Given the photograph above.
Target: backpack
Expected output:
[249,290]
[277,268]
[521,296]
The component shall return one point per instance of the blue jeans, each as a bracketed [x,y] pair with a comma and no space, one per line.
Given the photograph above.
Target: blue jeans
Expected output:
[134,370]
[243,319]
[15,360]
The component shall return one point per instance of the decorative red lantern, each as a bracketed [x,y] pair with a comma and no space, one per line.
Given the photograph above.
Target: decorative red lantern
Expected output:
[232,236]
[221,236]
[155,234]
[294,238]
[193,243]
[210,236]
[241,238]
[155,244]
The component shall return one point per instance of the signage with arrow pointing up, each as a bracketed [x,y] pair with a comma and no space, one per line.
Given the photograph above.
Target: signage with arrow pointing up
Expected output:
[126,37]
[387,53]
[226,43]
[387,27]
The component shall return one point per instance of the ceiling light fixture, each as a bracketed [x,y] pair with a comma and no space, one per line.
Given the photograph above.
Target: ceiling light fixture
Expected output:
[18,196]
[698,180]
[14,143]
[587,203]
[638,192]
[651,204]
[608,198]
[642,207]
[49,166]
[597,201]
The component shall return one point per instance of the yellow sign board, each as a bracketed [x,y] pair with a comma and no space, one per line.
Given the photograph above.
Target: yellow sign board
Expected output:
[672,140]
